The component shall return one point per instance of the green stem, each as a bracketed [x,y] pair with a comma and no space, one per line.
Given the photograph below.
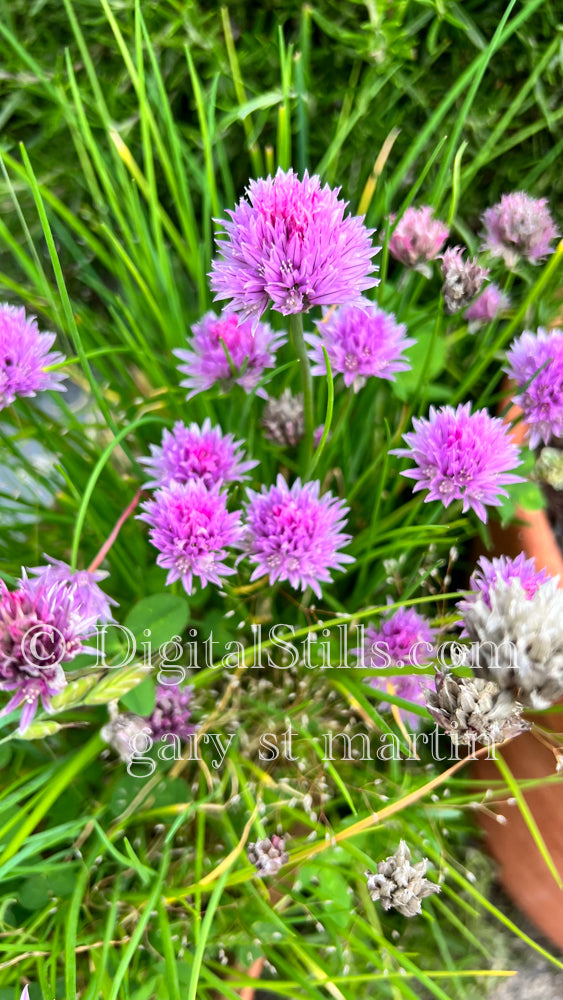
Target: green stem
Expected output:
[296,328]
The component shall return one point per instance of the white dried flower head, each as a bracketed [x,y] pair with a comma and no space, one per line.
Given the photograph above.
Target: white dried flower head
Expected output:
[518,640]
[462,279]
[400,885]
[473,710]
[283,419]
[122,732]
[268,855]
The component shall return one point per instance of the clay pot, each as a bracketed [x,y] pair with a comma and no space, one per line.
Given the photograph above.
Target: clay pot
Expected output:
[522,870]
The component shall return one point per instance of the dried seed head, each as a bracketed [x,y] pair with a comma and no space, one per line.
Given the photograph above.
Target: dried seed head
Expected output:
[462,279]
[400,885]
[268,855]
[122,732]
[283,419]
[518,640]
[473,710]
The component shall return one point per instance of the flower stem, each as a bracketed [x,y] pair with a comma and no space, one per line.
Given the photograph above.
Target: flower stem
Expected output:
[296,328]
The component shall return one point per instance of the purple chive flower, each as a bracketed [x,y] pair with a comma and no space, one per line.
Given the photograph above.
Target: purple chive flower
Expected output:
[486,306]
[417,238]
[489,571]
[171,713]
[519,226]
[195,452]
[295,534]
[25,357]
[404,640]
[192,529]
[288,243]
[462,279]
[227,351]
[362,342]
[93,603]
[461,455]
[539,357]
[42,625]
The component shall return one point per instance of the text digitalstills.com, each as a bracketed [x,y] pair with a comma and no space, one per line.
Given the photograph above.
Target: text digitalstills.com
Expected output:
[282,647]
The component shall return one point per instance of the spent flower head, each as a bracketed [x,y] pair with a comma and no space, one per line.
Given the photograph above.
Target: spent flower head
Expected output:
[517,640]
[225,351]
[535,363]
[283,419]
[417,238]
[519,226]
[460,455]
[462,279]
[193,532]
[26,358]
[362,342]
[123,732]
[197,452]
[474,710]
[400,885]
[295,534]
[268,855]
[288,243]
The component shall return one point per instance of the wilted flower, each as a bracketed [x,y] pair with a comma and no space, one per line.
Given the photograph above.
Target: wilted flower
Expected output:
[406,641]
[486,306]
[539,357]
[91,600]
[283,419]
[42,625]
[462,279]
[474,710]
[227,351]
[362,342]
[171,713]
[25,357]
[288,243]
[268,855]
[517,640]
[193,530]
[195,452]
[295,534]
[122,733]
[400,885]
[461,455]
[417,238]
[519,226]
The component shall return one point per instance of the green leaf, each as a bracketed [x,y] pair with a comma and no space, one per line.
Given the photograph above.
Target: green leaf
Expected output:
[421,353]
[140,699]
[36,891]
[166,615]
[526,495]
